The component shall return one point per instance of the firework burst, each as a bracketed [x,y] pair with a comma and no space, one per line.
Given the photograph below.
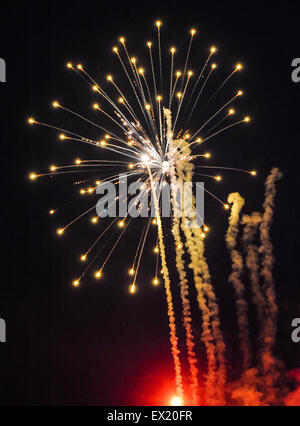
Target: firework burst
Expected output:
[150,141]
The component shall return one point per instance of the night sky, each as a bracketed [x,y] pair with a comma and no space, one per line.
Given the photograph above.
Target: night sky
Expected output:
[99,345]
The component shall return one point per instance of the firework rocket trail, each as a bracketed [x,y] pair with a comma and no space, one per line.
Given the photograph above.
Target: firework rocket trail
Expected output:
[187,317]
[214,313]
[184,289]
[171,313]
[235,277]
[211,335]
[206,332]
[207,335]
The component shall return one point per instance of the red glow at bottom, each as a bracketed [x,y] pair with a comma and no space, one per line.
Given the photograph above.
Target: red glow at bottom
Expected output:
[176,401]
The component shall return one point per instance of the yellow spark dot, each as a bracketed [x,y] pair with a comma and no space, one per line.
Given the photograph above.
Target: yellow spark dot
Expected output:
[78,161]
[240,93]
[231,111]
[53,168]
[32,176]
[130,166]
[95,88]
[80,67]
[238,67]
[131,271]
[107,136]
[179,246]
[109,78]
[207,155]
[31,120]
[90,190]
[69,65]
[218,178]
[76,283]
[206,228]
[132,289]
[247,119]
[96,106]
[141,71]
[226,206]
[159,98]
[60,231]
[98,274]
[97,182]
[82,191]
[133,60]
[115,49]
[190,73]
[158,24]
[213,66]
[178,73]
[148,107]
[62,137]
[203,235]
[122,40]
[156,250]
[179,95]
[176,401]
[149,44]
[121,224]
[155,281]
[173,50]
[83,258]
[55,104]
[154,222]
[121,100]
[199,140]
[253,172]
[187,136]
[103,143]
[51,211]
[94,219]
[193,31]
[213,49]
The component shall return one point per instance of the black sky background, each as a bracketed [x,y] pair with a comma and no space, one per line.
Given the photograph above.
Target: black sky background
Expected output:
[97,344]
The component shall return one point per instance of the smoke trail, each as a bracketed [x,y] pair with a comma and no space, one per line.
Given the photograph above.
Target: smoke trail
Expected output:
[266,385]
[235,277]
[251,224]
[207,335]
[254,388]
[293,398]
[266,251]
[171,313]
[187,318]
[214,313]
[211,334]
[182,169]
[248,391]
